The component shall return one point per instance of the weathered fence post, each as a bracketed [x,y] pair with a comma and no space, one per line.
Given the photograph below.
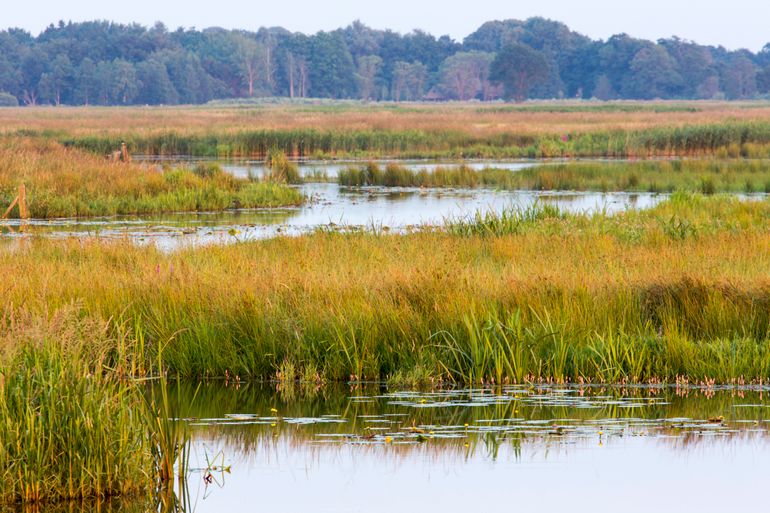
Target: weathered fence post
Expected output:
[125,156]
[20,200]
[23,211]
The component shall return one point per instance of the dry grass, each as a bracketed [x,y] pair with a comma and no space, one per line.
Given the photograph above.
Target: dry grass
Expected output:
[471,118]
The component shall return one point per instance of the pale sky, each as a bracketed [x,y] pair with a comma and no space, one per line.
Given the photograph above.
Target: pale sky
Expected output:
[731,23]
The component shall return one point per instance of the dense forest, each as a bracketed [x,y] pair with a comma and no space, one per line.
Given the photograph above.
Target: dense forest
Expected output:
[103,63]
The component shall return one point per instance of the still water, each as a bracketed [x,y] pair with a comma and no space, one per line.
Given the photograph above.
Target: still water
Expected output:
[328,206]
[514,448]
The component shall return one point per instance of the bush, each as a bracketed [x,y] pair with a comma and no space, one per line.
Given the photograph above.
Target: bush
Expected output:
[8,100]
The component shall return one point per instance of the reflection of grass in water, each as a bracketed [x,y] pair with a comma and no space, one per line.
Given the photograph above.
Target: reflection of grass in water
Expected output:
[423,426]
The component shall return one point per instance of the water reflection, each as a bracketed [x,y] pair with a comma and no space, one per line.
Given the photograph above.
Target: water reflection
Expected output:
[292,449]
[344,449]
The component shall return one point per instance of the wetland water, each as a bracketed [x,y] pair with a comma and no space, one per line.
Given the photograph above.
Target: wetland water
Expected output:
[523,448]
[328,206]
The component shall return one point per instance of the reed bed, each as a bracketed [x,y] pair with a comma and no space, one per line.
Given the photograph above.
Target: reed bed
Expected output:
[726,138]
[63,182]
[679,290]
[704,176]
[77,424]
[68,429]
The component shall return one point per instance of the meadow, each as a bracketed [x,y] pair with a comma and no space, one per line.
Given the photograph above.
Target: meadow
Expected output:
[704,176]
[64,182]
[327,130]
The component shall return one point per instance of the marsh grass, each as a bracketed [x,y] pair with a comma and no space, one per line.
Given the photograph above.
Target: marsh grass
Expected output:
[704,176]
[65,182]
[68,429]
[281,169]
[75,424]
[722,138]
[680,289]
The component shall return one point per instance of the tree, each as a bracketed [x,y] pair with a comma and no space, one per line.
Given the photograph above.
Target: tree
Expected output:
[251,57]
[332,74]
[603,89]
[463,75]
[124,84]
[739,78]
[763,80]
[518,68]
[156,87]
[368,66]
[653,74]
[58,80]
[409,80]
[694,63]
[85,82]
[8,100]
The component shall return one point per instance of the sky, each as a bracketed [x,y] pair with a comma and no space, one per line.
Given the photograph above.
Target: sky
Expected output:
[730,23]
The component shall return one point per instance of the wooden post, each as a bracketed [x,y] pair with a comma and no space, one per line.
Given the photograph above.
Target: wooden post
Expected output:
[20,200]
[23,211]
[124,155]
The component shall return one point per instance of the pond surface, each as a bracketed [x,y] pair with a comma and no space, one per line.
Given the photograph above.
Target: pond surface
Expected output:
[330,169]
[329,206]
[522,448]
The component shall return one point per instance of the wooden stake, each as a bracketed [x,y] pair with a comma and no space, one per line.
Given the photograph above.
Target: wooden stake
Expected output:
[125,156]
[23,211]
[20,200]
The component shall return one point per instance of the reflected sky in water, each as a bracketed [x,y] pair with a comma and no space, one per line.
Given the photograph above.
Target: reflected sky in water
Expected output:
[517,448]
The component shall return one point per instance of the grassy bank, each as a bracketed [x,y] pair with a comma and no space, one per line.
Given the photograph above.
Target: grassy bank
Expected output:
[681,289]
[64,182]
[704,176]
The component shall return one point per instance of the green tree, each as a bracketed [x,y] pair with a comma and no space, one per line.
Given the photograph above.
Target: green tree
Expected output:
[251,59]
[8,100]
[518,68]
[464,74]
[156,87]
[368,66]
[332,74]
[124,84]
[653,74]
[85,82]
[409,80]
[58,80]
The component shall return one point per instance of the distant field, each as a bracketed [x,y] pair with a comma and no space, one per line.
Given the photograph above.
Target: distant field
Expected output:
[472,118]
[327,129]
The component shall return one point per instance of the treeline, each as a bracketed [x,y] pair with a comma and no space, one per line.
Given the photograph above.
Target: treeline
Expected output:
[103,63]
